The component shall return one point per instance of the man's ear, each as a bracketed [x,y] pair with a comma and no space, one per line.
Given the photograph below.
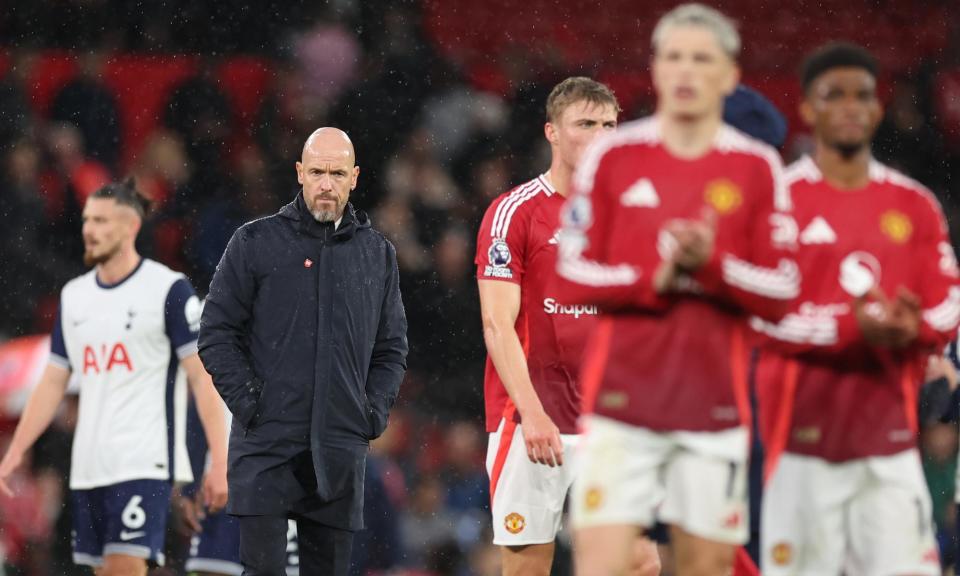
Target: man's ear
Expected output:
[550,131]
[807,113]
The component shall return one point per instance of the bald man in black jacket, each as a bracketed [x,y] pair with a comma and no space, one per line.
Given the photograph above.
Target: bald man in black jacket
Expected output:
[304,333]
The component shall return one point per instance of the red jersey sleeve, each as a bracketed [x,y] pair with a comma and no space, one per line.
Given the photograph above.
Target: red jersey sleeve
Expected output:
[756,271]
[802,331]
[501,241]
[799,333]
[939,289]
[585,270]
[939,292]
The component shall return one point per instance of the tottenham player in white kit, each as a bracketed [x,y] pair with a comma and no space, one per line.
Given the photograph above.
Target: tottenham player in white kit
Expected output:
[128,330]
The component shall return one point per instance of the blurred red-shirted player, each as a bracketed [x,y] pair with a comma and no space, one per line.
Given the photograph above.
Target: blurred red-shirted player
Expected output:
[880,294]
[535,339]
[676,231]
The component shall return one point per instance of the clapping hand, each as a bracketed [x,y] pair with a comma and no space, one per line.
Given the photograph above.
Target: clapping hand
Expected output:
[888,323]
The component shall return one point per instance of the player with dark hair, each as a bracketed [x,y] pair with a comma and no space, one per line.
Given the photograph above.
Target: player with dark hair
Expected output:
[127,329]
[535,339]
[837,55]
[845,490]
[676,231]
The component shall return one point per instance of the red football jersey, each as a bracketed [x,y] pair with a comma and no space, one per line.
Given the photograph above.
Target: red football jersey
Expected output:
[676,362]
[840,398]
[517,243]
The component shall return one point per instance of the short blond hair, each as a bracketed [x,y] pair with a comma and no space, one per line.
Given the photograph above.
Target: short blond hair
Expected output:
[694,14]
[576,89]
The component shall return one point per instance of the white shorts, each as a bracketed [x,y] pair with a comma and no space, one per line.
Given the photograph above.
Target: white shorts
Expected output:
[694,480]
[865,517]
[526,498]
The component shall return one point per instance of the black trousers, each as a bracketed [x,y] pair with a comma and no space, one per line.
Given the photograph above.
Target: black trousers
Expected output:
[263,547]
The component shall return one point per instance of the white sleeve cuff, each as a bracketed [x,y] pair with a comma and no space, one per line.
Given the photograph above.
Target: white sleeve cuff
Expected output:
[58,360]
[187,350]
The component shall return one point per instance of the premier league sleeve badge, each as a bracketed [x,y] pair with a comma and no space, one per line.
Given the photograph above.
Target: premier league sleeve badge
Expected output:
[499,258]
[499,253]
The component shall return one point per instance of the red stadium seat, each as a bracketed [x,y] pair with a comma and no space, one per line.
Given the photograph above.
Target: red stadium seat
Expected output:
[168,242]
[245,80]
[947,103]
[142,85]
[776,35]
[87,178]
[631,89]
[51,72]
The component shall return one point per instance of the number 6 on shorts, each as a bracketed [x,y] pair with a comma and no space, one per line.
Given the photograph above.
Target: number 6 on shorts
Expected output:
[133,516]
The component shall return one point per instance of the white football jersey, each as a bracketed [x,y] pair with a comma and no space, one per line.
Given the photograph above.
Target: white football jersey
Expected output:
[125,342]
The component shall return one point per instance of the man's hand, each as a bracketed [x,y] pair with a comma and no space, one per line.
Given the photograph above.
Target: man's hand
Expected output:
[689,244]
[11,461]
[215,488]
[695,240]
[938,367]
[888,324]
[542,438]
[665,276]
[189,513]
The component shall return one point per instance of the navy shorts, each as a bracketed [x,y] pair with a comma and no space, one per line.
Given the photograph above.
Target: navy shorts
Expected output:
[216,548]
[128,518]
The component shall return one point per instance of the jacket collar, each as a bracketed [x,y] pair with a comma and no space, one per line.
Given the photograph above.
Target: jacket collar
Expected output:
[352,221]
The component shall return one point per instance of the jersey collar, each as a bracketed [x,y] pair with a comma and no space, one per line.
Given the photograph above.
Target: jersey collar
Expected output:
[106,286]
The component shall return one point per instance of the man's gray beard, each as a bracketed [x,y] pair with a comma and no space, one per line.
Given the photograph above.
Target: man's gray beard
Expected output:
[325,215]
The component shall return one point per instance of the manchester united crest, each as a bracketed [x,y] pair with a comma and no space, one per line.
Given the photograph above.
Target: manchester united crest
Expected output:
[723,195]
[896,226]
[782,554]
[514,523]
[593,498]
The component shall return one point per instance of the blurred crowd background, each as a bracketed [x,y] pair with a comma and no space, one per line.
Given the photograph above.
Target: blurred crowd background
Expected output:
[207,104]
